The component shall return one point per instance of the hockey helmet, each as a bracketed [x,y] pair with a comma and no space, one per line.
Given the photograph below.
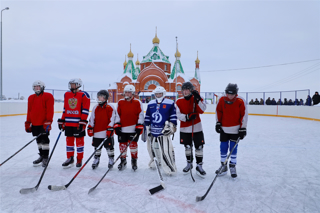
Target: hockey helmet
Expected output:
[232,89]
[102,93]
[129,88]
[77,82]
[38,83]
[157,90]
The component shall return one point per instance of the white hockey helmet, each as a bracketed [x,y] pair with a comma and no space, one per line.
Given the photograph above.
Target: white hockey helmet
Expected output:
[76,81]
[129,88]
[38,83]
[157,90]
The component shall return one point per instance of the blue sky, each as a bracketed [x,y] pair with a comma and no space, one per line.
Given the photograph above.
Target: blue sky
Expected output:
[55,41]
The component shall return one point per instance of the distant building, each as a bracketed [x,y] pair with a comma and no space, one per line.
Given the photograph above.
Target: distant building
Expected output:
[154,69]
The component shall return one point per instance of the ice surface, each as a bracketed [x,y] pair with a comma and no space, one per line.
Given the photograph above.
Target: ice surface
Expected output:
[278,171]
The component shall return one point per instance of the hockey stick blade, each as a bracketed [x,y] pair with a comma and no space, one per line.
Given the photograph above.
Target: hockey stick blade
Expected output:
[198,198]
[56,188]
[156,189]
[28,190]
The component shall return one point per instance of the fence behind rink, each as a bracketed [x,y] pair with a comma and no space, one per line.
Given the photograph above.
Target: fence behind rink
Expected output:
[210,97]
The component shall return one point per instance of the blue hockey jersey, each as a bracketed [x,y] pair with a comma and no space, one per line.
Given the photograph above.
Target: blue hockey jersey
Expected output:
[158,114]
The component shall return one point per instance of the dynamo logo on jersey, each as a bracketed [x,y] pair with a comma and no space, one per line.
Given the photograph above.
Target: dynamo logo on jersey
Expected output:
[157,117]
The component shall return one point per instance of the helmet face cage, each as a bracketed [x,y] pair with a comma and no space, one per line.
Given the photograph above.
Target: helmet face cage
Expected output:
[128,88]
[158,90]
[38,83]
[77,82]
[104,94]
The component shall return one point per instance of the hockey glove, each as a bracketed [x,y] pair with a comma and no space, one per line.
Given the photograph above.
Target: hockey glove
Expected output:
[191,116]
[109,131]
[196,96]
[90,131]
[61,123]
[117,128]
[82,125]
[242,133]
[218,127]
[169,129]
[139,129]
[28,126]
[47,126]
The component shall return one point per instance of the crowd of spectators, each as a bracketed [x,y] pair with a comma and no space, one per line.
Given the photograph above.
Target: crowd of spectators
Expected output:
[309,101]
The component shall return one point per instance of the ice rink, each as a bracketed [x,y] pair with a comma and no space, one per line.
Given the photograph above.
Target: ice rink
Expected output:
[277,170]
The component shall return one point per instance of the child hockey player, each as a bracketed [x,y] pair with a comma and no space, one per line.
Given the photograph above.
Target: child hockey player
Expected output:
[161,122]
[129,122]
[232,118]
[101,126]
[189,108]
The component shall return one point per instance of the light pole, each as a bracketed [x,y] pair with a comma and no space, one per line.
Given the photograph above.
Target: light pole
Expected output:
[176,66]
[7,8]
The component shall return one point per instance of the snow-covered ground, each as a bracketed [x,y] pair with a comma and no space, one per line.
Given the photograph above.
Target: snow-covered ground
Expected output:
[278,171]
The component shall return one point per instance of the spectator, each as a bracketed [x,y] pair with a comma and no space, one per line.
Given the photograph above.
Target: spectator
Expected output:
[279,102]
[290,103]
[308,101]
[251,102]
[261,101]
[256,102]
[268,101]
[301,102]
[296,102]
[316,98]
[273,102]
[147,100]
[285,102]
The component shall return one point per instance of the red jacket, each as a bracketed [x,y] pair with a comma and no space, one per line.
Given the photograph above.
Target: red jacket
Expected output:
[76,107]
[129,114]
[184,107]
[232,116]
[101,118]
[40,108]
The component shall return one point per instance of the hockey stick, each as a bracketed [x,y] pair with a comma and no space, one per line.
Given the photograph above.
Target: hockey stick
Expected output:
[194,104]
[162,185]
[28,190]
[21,148]
[64,187]
[93,188]
[200,198]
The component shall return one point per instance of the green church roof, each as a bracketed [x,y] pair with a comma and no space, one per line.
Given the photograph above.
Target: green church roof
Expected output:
[155,55]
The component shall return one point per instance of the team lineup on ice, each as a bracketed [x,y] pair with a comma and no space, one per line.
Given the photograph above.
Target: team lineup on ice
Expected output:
[274,174]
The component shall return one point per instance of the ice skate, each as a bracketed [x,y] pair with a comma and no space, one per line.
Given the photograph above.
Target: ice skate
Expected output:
[96,162]
[134,164]
[38,161]
[68,163]
[44,161]
[123,164]
[224,170]
[79,163]
[200,170]
[111,162]
[233,170]
[188,167]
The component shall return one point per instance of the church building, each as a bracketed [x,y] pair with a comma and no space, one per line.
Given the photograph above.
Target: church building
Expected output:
[154,70]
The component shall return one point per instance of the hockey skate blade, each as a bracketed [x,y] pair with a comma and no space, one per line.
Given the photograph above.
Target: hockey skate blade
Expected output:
[156,189]
[56,188]
[28,190]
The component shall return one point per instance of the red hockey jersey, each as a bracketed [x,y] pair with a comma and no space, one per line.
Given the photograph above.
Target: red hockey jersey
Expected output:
[184,107]
[101,118]
[76,107]
[40,108]
[232,116]
[129,114]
